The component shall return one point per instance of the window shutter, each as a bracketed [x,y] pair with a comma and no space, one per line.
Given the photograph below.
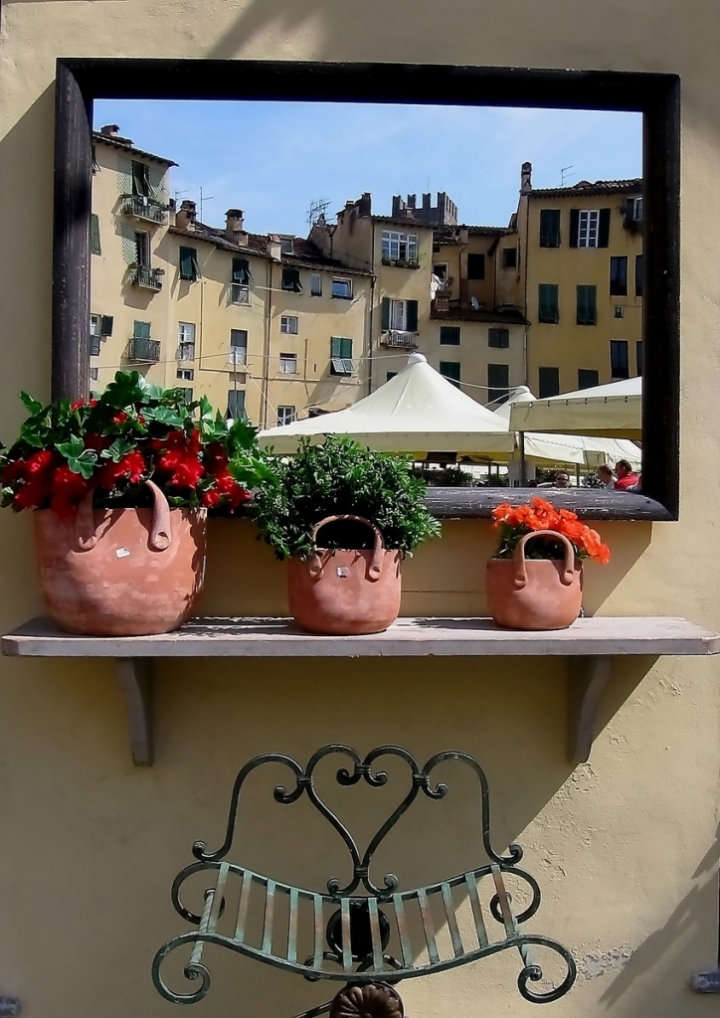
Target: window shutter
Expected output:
[385,322]
[587,305]
[604,228]
[346,348]
[141,330]
[240,271]
[335,347]
[186,263]
[548,382]
[106,325]
[196,274]
[451,371]
[95,235]
[412,316]
[574,227]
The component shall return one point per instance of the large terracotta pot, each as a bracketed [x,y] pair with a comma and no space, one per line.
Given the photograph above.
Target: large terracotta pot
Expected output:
[344,593]
[121,572]
[535,593]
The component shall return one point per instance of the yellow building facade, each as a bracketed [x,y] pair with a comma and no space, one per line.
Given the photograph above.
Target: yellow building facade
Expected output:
[264,326]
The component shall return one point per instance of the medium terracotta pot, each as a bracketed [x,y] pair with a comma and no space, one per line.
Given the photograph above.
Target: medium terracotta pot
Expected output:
[535,593]
[343,592]
[121,572]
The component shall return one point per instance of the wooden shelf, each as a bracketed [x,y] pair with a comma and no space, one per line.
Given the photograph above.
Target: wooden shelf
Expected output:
[592,642]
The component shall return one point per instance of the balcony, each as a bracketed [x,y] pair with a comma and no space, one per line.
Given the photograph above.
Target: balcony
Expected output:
[142,207]
[239,293]
[94,346]
[143,351]
[237,356]
[148,279]
[186,352]
[398,338]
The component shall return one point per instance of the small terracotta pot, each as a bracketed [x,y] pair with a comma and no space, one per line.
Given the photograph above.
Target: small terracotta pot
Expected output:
[343,592]
[535,593]
[121,572]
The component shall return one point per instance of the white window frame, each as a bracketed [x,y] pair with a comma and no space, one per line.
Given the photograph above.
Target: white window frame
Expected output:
[637,209]
[588,227]
[345,282]
[442,276]
[142,250]
[316,290]
[186,374]
[288,363]
[398,315]
[186,341]
[286,415]
[95,326]
[238,351]
[289,324]
[399,247]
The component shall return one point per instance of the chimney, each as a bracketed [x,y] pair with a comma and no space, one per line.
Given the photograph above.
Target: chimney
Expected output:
[185,218]
[234,227]
[365,205]
[426,203]
[110,130]
[526,178]
[274,247]
[412,201]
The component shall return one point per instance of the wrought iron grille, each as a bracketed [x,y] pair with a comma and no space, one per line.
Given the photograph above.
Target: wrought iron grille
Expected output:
[363,931]
[143,351]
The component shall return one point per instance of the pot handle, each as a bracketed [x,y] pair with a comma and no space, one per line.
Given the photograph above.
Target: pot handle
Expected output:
[375,567]
[568,571]
[160,530]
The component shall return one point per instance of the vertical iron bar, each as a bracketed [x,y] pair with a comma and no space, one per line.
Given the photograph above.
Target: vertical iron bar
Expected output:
[452,920]
[247,878]
[428,926]
[477,909]
[375,933]
[318,920]
[401,921]
[345,933]
[268,917]
[292,925]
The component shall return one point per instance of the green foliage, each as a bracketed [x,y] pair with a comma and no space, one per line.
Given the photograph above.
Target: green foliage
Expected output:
[340,478]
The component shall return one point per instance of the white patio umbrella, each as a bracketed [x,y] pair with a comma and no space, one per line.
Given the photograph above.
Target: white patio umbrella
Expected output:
[418,411]
[589,451]
[613,410]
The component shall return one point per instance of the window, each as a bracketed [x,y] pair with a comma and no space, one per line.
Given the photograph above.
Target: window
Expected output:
[589,227]
[549,227]
[186,374]
[548,310]
[186,395]
[587,305]
[341,356]
[548,382]
[451,371]
[241,279]
[316,285]
[289,324]
[499,338]
[288,363]
[400,315]
[95,235]
[476,266]
[639,356]
[291,280]
[639,275]
[141,330]
[285,414]
[189,267]
[342,288]
[236,404]
[142,250]
[287,245]
[587,378]
[619,311]
[186,341]
[140,179]
[442,303]
[509,257]
[399,247]
[618,276]
[389,375]
[94,374]
[95,325]
[634,210]
[101,326]
[449,335]
[619,365]
[441,270]
[498,381]
[238,346]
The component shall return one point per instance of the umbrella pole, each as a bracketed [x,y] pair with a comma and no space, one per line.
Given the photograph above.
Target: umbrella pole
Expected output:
[523,464]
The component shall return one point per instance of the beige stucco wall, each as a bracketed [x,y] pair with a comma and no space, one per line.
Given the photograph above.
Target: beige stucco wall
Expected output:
[624,847]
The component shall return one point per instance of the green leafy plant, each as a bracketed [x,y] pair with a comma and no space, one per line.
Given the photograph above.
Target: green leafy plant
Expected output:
[132,433]
[341,478]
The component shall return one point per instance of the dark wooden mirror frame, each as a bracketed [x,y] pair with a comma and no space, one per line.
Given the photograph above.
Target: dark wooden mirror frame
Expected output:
[656,96]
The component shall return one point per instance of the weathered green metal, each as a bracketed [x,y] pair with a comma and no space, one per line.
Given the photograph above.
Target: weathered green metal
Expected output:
[357,937]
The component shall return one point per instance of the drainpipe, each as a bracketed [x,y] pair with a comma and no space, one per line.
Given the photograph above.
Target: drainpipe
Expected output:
[266,354]
[373,280]
[525,292]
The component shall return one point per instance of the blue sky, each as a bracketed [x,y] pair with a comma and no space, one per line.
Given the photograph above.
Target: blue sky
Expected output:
[273,159]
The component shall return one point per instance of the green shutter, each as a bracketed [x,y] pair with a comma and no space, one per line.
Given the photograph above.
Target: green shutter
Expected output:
[604,228]
[548,303]
[141,330]
[106,325]
[412,316]
[335,347]
[124,175]
[451,371]
[498,382]
[346,346]
[550,228]
[449,335]
[587,305]
[140,178]
[155,182]
[129,249]
[188,263]
[385,322]
[574,227]
[95,235]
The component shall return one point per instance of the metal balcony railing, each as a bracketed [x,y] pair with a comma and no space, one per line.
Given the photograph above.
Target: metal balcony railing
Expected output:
[94,346]
[142,207]
[143,351]
[150,279]
[186,352]
[399,338]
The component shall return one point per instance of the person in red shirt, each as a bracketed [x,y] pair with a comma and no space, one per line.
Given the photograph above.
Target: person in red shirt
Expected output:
[626,477]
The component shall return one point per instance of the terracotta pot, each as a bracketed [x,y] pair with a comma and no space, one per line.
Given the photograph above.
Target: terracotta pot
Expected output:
[121,572]
[535,593]
[344,592]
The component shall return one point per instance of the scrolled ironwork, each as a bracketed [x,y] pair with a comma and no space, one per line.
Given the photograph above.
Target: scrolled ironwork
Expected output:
[533,972]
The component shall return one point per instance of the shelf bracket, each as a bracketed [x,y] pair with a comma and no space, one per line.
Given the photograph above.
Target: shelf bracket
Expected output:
[588,678]
[135,678]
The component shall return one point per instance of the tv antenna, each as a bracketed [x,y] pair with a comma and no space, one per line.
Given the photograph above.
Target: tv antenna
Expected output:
[202,200]
[316,210]
[564,175]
